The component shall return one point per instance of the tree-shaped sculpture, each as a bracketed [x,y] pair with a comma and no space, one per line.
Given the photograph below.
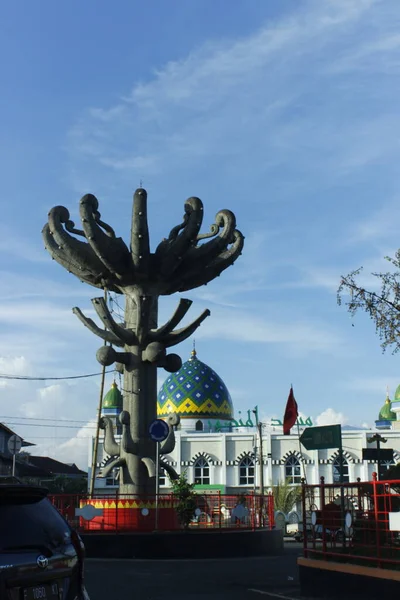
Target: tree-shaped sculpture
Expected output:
[181,262]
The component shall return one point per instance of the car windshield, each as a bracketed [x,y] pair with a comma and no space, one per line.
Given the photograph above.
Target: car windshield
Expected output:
[31,524]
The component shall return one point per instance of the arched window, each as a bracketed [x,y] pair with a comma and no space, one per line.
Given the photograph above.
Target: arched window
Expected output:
[201,472]
[199,426]
[246,471]
[336,470]
[292,470]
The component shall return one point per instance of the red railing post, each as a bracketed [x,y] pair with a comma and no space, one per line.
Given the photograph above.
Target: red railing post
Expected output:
[376,513]
[219,508]
[271,510]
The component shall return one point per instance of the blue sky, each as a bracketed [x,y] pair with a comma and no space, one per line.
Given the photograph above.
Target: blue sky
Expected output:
[284,112]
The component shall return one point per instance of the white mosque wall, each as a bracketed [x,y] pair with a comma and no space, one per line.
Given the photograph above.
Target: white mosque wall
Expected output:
[224,451]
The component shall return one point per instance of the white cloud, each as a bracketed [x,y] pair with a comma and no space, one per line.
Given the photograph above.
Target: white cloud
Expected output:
[330,417]
[222,99]
[58,418]
[251,326]
[75,450]
[15,365]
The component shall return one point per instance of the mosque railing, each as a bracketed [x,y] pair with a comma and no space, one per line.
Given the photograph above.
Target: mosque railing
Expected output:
[355,523]
[119,512]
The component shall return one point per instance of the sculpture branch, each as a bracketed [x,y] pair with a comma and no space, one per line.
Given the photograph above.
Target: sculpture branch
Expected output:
[150,466]
[172,251]
[117,462]
[193,279]
[110,445]
[111,251]
[226,222]
[180,312]
[125,335]
[169,469]
[101,333]
[178,336]
[140,243]
[127,443]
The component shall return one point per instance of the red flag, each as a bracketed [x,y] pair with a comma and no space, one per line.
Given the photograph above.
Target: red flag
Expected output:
[291,413]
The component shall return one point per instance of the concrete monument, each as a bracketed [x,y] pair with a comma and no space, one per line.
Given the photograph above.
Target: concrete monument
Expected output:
[186,259]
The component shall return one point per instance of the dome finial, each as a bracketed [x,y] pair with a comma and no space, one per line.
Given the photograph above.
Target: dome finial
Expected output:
[193,353]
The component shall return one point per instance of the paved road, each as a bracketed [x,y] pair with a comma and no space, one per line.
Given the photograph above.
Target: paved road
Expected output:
[223,579]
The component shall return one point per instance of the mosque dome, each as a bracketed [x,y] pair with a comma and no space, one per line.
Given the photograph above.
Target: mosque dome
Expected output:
[397,394]
[386,413]
[195,391]
[113,399]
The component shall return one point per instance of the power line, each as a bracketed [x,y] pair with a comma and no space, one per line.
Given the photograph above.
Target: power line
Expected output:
[51,425]
[28,378]
[41,419]
[51,437]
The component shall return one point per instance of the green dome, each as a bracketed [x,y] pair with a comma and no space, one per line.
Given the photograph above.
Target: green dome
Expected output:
[113,398]
[386,413]
[397,394]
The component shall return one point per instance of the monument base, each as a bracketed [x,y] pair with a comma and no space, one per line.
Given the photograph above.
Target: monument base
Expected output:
[130,515]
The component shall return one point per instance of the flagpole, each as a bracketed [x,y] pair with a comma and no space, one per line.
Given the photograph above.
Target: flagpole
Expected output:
[300,450]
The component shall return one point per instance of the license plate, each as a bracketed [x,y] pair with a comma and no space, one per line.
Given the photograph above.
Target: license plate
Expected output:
[48,591]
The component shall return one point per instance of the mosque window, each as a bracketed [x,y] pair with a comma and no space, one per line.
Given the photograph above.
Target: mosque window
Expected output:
[292,470]
[201,472]
[246,471]
[161,478]
[336,470]
[199,426]
[113,479]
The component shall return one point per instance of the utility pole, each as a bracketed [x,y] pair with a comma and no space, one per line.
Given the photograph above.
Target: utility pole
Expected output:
[259,426]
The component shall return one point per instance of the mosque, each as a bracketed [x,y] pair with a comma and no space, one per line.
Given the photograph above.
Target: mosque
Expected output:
[221,453]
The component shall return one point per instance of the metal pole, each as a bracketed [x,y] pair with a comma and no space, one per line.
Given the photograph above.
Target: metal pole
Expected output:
[255,463]
[96,439]
[261,459]
[378,448]
[301,451]
[260,517]
[342,488]
[157,480]
[13,464]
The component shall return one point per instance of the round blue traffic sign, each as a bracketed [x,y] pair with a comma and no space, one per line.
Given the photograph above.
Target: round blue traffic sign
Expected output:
[158,430]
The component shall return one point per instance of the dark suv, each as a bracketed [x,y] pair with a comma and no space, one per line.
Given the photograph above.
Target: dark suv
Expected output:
[41,557]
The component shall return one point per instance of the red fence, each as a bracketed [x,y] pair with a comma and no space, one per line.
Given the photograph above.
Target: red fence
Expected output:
[133,513]
[353,522]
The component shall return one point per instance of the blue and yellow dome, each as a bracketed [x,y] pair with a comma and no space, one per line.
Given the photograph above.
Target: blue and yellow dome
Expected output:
[195,391]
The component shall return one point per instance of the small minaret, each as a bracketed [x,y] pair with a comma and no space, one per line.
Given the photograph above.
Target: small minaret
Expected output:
[387,417]
[112,406]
